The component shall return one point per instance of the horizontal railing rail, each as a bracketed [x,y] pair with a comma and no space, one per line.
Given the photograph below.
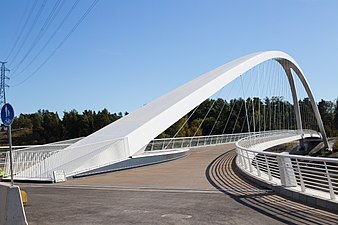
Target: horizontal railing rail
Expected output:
[197,141]
[253,140]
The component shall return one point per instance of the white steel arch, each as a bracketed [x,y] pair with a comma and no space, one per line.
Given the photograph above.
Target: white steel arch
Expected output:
[129,135]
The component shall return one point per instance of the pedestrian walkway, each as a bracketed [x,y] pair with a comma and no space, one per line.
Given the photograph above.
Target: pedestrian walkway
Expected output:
[202,188]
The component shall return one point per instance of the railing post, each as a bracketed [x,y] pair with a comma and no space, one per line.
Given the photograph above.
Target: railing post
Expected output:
[7,164]
[268,167]
[332,195]
[302,185]
[287,175]
[44,169]
[162,145]
[239,157]
[250,167]
[190,143]
[257,166]
[173,143]
[152,146]
[243,157]
[40,165]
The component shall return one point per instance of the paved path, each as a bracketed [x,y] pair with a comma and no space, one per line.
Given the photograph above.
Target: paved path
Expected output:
[202,188]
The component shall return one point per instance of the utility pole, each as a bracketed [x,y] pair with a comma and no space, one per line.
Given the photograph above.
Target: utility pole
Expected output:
[3,84]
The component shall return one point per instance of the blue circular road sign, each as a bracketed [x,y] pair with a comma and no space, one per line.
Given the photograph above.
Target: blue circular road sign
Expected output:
[7,114]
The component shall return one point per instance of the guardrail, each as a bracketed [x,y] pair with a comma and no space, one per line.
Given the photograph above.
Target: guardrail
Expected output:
[313,175]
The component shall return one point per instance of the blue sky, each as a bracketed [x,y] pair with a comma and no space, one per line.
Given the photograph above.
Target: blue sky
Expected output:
[127,53]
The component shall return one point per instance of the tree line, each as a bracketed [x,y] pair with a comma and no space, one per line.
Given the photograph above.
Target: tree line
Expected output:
[219,116]
[213,116]
[46,127]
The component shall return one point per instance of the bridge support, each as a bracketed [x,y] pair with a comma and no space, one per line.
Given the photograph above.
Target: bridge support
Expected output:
[288,72]
[294,97]
[287,66]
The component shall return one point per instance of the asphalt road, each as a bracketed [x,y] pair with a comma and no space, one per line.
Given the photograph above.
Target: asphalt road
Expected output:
[202,188]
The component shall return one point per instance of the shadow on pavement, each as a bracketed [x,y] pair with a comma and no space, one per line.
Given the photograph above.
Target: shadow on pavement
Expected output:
[223,174]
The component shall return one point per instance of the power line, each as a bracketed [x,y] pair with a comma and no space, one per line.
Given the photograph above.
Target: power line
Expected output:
[61,43]
[22,29]
[30,29]
[43,30]
[50,38]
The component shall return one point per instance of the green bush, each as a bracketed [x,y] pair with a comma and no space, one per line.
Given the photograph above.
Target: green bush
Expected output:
[2,173]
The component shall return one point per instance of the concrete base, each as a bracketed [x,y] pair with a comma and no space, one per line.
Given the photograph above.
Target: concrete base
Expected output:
[11,207]
[293,194]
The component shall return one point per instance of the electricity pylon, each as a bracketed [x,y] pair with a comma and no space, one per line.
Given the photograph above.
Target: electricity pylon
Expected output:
[3,84]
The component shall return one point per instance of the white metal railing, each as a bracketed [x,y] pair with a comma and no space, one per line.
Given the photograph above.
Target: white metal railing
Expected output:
[31,162]
[24,159]
[188,142]
[314,175]
[41,163]
[255,139]
[35,161]
[2,163]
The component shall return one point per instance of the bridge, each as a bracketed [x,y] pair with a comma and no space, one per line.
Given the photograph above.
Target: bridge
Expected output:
[130,141]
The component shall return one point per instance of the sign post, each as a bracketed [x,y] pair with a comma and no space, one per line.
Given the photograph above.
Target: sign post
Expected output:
[7,116]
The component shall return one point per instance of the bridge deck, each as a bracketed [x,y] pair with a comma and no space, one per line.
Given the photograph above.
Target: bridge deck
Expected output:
[184,173]
[202,188]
